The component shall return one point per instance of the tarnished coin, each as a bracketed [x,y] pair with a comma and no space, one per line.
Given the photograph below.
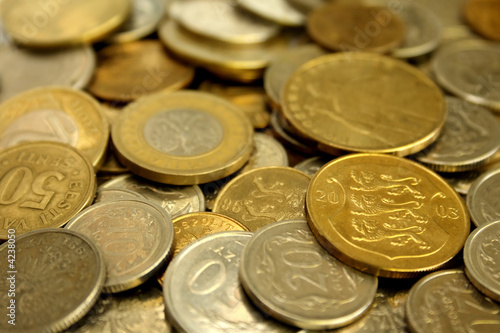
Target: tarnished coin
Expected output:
[446,301]
[356,27]
[135,238]
[113,194]
[143,19]
[279,11]
[24,69]
[202,291]
[176,200]
[481,258]
[54,279]
[262,196]
[483,16]
[470,70]
[250,98]
[62,23]
[137,311]
[470,138]
[143,68]
[183,138]
[482,199]
[291,277]
[56,114]
[283,66]
[267,152]
[386,215]
[359,102]
[223,20]
[42,185]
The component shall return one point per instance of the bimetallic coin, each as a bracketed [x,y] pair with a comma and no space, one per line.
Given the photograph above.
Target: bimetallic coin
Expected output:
[263,196]
[139,311]
[143,68]
[183,138]
[42,185]
[291,277]
[359,102]
[470,69]
[446,301]
[223,20]
[54,279]
[386,215]
[481,258]
[202,291]
[483,16]
[113,194]
[470,138]
[176,200]
[143,19]
[62,23]
[56,114]
[134,236]
[482,199]
[267,152]
[71,67]
[283,66]
[355,27]
[279,11]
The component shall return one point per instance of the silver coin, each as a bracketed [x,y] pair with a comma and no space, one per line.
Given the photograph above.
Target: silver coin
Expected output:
[24,69]
[113,194]
[223,20]
[203,294]
[53,280]
[482,259]
[482,199]
[138,311]
[446,301]
[144,17]
[312,165]
[176,200]
[470,69]
[470,138]
[291,277]
[279,11]
[135,238]
[267,152]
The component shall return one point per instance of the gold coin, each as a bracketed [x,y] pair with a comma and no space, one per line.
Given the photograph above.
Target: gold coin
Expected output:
[355,27]
[483,16]
[56,114]
[131,70]
[62,23]
[183,138]
[264,195]
[386,215]
[362,102]
[42,185]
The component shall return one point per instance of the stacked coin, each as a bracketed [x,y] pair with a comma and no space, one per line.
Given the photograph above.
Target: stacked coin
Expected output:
[274,166]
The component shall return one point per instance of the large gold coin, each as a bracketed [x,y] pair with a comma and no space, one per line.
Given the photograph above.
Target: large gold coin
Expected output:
[131,70]
[483,16]
[362,102]
[183,138]
[386,215]
[62,23]
[42,185]
[56,114]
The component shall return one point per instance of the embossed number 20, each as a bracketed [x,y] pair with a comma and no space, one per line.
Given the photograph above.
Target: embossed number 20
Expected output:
[16,183]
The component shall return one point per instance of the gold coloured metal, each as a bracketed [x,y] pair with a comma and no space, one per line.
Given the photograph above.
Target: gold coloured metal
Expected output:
[62,23]
[131,70]
[42,185]
[56,114]
[364,102]
[386,215]
[483,16]
[183,138]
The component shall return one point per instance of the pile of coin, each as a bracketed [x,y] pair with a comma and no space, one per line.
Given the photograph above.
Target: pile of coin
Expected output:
[249,166]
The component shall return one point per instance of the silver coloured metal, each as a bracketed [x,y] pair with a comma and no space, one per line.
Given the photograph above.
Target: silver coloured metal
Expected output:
[482,199]
[267,152]
[312,165]
[113,194]
[279,11]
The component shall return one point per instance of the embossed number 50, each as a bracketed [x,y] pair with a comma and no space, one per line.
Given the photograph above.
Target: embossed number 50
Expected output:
[17,182]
